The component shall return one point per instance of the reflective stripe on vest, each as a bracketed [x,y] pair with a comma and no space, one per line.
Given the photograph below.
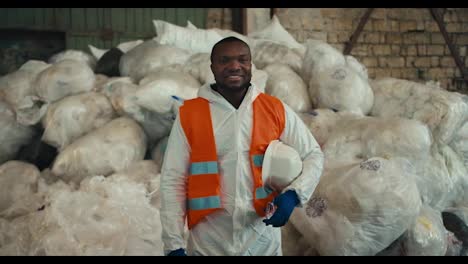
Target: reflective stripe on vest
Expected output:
[208,167]
[203,190]
[257,160]
[204,203]
[262,192]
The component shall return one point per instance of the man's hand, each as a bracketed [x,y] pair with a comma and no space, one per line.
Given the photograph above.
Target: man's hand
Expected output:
[285,203]
[177,252]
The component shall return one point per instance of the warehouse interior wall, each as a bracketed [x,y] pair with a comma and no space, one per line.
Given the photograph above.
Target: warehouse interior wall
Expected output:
[101,27]
[241,20]
[403,43]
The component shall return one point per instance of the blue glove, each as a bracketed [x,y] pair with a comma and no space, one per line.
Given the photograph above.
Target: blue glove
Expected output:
[177,252]
[285,203]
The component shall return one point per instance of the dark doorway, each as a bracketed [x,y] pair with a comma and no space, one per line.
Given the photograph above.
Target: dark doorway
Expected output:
[238,20]
[17,46]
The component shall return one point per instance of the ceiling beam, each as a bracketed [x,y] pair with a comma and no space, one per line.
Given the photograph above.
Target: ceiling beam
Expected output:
[438,18]
[354,37]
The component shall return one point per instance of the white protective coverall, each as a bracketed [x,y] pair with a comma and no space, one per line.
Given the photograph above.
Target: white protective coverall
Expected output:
[235,229]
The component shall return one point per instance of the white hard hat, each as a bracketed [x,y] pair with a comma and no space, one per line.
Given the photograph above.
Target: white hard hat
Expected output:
[281,165]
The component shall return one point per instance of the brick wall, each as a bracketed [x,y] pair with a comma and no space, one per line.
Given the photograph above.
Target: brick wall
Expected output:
[396,42]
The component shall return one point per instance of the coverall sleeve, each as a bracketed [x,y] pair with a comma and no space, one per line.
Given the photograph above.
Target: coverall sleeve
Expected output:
[173,189]
[297,135]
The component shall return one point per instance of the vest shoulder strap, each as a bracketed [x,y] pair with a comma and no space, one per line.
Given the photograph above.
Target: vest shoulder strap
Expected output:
[195,118]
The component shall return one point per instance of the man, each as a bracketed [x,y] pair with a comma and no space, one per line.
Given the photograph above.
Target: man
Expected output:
[211,174]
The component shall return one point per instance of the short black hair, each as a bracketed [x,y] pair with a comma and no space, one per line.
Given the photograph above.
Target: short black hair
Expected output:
[225,40]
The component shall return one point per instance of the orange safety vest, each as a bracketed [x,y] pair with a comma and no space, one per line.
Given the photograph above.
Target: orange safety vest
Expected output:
[203,190]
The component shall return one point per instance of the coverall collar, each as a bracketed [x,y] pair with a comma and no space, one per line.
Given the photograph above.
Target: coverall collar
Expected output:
[214,97]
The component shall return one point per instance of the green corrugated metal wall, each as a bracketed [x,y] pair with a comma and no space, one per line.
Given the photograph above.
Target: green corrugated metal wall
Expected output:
[85,26]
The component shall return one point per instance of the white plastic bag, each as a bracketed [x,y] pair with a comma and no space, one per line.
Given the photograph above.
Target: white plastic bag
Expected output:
[84,224]
[341,88]
[359,209]
[123,99]
[190,25]
[120,93]
[276,32]
[198,65]
[18,189]
[358,67]
[15,238]
[192,40]
[76,55]
[14,87]
[293,243]
[427,236]
[460,143]
[144,58]
[363,138]
[265,52]
[17,89]
[97,53]
[321,122]
[157,90]
[12,134]
[143,172]
[64,78]
[34,67]
[319,56]
[124,47]
[73,116]
[100,80]
[285,84]
[444,178]
[133,203]
[444,112]
[129,45]
[110,148]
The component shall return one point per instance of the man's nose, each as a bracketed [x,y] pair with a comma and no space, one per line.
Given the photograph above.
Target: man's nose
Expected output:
[234,65]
